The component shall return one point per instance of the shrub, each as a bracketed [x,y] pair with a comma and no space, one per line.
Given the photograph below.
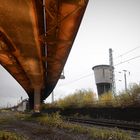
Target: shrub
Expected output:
[131,98]
[86,98]
[79,99]
[106,100]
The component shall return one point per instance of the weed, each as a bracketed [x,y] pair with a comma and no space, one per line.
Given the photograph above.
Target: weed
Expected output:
[22,116]
[51,120]
[5,135]
[55,120]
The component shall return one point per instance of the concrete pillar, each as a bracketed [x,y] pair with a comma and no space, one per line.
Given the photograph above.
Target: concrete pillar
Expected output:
[37,100]
[31,101]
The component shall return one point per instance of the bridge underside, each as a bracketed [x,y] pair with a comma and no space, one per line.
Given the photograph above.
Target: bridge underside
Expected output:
[33,56]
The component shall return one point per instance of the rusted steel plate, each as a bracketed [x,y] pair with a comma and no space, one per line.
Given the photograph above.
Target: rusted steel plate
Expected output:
[22,30]
[63,18]
[19,26]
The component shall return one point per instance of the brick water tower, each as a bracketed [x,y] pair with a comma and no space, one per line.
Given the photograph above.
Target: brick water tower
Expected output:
[103,78]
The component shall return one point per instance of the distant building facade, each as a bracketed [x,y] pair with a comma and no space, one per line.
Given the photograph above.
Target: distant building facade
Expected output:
[22,106]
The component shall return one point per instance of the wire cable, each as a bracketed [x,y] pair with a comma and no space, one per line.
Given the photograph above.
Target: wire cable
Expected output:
[127,52]
[71,82]
[85,76]
[127,60]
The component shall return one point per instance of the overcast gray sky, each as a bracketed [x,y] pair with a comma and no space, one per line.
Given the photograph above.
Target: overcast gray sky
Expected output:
[106,24]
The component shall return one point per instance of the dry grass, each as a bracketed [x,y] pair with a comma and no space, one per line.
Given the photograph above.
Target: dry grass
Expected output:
[55,120]
[85,98]
[5,135]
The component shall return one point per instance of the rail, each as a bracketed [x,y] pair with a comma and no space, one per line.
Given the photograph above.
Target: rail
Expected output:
[108,123]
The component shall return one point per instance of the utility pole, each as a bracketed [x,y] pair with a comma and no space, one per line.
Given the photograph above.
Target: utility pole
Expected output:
[62,76]
[112,71]
[125,80]
[52,96]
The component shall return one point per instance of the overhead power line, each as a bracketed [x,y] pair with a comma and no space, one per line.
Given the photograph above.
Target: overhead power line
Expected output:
[78,79]
[85,76]
[127,60]
[127,52]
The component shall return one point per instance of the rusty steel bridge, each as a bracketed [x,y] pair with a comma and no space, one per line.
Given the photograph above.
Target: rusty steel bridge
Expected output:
[36,37]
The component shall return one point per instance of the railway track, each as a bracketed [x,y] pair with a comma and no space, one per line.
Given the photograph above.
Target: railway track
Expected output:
[108,123]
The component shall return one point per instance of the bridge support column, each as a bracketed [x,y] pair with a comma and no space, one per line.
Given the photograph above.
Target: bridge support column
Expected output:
[31,101]
[37,100]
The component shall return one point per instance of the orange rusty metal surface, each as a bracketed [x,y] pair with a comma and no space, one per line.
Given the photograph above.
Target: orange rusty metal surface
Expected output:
[22,39]
[63,18]
[18,25]
[10,62]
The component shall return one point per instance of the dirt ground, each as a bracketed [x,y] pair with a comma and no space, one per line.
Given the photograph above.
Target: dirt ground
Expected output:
[35,131]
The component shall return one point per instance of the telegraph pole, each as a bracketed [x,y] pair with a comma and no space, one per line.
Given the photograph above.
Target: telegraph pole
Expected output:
[112,71]
[62,76]
[52,96]
[125,80]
